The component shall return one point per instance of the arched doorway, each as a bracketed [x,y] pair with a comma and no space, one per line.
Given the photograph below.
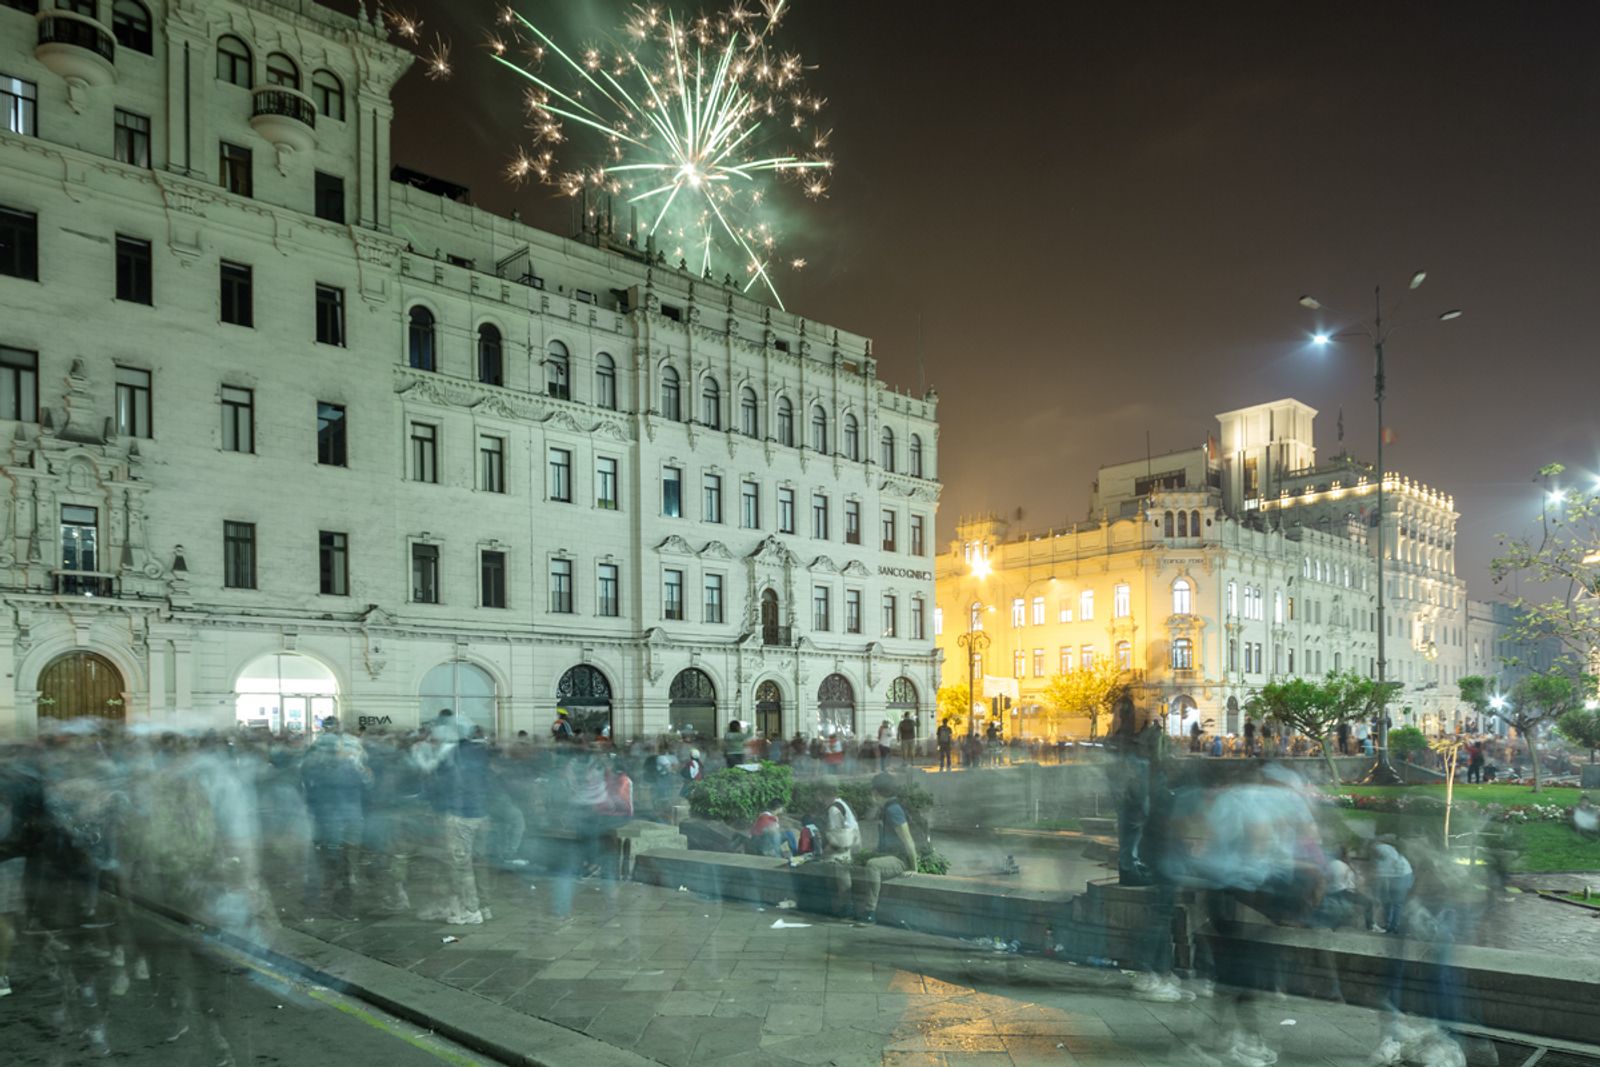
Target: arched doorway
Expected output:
[903,698]
[1182,713]
[836,706]
[771,630]
[462,688]
[285,691]
[769,709]
[692,704]
[81,685]
[586,694]
[1233,715]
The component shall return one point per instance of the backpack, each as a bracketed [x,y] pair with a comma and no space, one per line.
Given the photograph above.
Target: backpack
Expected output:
[814,834]
[810,840]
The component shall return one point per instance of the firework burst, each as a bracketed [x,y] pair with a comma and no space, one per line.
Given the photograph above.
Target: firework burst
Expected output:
[689,119]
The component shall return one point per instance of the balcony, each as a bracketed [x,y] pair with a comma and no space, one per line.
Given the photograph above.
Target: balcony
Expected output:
[84,583]
[286,117]
[77,48]
[777,636]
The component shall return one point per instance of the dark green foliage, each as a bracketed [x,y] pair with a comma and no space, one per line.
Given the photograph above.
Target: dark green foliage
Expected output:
[1405,739]
[736,796]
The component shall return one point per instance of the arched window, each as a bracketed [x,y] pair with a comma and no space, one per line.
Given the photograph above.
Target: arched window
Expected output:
[285,691]
[1194,524]
[557,372]
[711,403]
[130,22]
[1181,597]
[1183,524]
[819,429]
[1167,524]
[1124,656]
[420,338]
[1182,654]
[852,438]
[749,413]
[605,382]
[916,456]
[692,703]
[785,422]
[465,690]
[491,364]
[586,694]
[836,706]
[281,71]
[328,91]
[671,395]
[887,449]
[233,62]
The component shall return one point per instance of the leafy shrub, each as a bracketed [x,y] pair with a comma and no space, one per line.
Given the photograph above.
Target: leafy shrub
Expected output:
[808,799]
[737,796]
[1404,740]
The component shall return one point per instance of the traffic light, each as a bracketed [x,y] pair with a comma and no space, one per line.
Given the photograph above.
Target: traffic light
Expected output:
[994,706]
[1008,703]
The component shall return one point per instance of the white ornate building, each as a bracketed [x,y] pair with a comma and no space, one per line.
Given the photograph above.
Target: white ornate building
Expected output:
[286,434]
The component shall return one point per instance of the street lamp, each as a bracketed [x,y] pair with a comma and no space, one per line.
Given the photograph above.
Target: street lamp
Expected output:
[1383,772]
[976,642]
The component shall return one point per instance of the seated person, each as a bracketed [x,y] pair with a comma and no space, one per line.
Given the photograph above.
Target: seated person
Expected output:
[769,838]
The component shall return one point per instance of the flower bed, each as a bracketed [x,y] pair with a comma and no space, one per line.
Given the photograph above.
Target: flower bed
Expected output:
[1432,805]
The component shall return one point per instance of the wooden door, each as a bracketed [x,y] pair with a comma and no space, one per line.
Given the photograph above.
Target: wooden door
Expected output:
[81,684]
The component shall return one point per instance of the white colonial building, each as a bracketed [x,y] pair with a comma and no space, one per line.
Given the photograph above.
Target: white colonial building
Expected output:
[1211,571]
[290,431]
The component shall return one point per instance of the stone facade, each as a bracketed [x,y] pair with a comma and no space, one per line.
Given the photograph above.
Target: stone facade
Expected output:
[443,461]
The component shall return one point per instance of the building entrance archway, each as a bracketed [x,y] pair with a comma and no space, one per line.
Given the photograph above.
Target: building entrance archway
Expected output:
[285,691]
[463,688]
[1182,713]
[82,684]
[692,704]
[836,707]
[769,710]
[1233,715]
[586,694]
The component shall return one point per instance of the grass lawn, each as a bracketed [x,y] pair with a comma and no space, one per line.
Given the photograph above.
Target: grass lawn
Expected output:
[1494,793]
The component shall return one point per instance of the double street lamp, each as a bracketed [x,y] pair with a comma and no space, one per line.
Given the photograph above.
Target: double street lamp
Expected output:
[1383,773]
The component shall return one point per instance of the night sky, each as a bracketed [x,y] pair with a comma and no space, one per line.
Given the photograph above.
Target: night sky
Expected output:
[1097,219]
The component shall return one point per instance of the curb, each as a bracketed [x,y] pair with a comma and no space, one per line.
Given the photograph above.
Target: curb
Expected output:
[465,1018]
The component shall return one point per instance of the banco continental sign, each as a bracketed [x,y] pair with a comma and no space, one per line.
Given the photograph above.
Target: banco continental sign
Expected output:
[901,572]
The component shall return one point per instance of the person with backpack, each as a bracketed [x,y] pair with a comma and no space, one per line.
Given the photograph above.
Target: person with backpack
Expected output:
[693,770]
[841,834]
[945,738]
[897,845]
[908,738]
[561,730]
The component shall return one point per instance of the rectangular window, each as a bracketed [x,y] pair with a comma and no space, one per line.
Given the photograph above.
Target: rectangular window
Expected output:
[891,615]
[238,419]
[19,244]
[852,522]
[561,475]
[786,511]
[1086,605]
[1065,612]
[19,106]
[713,498]
[606,590]
[330,315]
[821,610]
[330,435]
[234,169]
[492,578]
[1038,611]
[131,138]
[889,523]
[133,402]
[80,544]
[672,492]
[19,384]
[333,562]
[1018,664]
[133,270]
[1065,666]
[605,483]
[713,598]
[919,619]
[919,545]
[239,555]
[1019,615]
[750,505]
[424,452]
[819,516]
[329,197]
[852,611]
[1121,601]
[561,586]
[1038,663]
[491,463]
[425,574]
[238,297]
[1086,657]
[672,594]
[938,622]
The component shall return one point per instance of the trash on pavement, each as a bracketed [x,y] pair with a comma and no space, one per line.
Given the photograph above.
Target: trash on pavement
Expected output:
[785,904]
[449,939]
[683,889]
[1287,1022]
[779,924]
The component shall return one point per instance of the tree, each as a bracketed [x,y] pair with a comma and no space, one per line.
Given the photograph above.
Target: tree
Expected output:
[1301,705]
[955,704]
[1090,692]
[1537,700]
[1563,561]
[1404,740]
[1581,726]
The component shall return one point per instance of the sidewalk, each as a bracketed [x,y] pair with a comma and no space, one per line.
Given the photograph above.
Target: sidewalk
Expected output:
[682,979]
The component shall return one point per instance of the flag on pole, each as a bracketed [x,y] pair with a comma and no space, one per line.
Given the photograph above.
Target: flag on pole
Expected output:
[1389,436]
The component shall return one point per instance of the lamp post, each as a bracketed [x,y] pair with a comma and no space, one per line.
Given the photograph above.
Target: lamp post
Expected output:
[1383,772]
[976,642]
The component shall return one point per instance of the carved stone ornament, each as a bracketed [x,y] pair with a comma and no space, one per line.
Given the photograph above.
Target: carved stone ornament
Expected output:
[771,551]
[823,565]
[715,550]
[856,569]
[674,545]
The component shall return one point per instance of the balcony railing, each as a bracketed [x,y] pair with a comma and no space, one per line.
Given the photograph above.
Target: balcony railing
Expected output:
[780,636]
[84,583]
[277,100]
[65,27]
